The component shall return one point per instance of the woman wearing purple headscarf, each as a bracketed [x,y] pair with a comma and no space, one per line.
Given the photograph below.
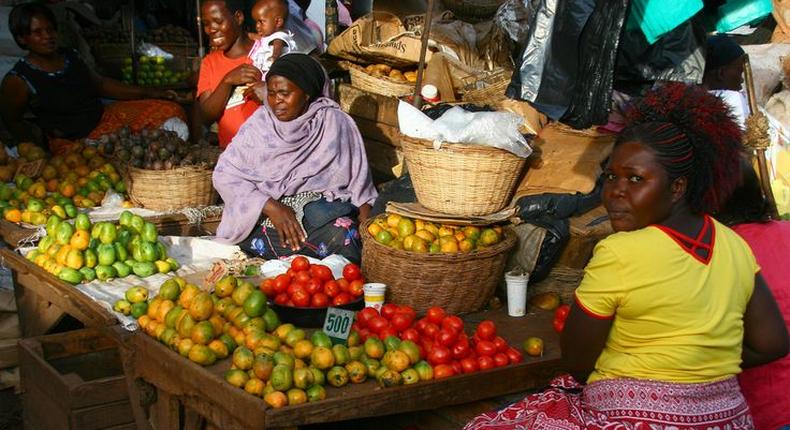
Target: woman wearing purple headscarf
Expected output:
[295,178]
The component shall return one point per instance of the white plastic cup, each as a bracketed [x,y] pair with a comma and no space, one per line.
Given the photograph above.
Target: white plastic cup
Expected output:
[516,293]
[374,295]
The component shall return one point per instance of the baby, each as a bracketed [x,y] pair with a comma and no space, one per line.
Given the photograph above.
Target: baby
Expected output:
[270,17]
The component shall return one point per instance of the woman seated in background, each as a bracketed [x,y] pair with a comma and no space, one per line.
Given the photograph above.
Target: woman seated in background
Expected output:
[63,94]
[673,303]
[299,163]
[748,213]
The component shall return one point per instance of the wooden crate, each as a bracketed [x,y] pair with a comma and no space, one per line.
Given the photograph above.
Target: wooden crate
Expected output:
[73,380]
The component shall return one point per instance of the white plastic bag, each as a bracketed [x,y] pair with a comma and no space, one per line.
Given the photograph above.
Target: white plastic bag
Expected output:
[151,50]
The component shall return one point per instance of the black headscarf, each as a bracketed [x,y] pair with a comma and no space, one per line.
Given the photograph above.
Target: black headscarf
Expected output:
[304,71]
[722,50]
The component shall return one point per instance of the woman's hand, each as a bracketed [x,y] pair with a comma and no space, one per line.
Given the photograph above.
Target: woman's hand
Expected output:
[364,213]
[284,220]
[156,93]
[243,74]
[256,92]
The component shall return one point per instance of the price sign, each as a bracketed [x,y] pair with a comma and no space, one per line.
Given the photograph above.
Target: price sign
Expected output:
[337,324]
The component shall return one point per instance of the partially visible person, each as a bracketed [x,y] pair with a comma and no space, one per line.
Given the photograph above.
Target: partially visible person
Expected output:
[295,179]
[315,29]
[673,303]
[270,17]
[748,213]
[723,77]
[227,70]
[64,94]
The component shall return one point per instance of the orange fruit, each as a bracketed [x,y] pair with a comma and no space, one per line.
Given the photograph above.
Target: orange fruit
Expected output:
[63,252]
[80,240]
[68,189]
[82,170]
[14,215]
[52,185]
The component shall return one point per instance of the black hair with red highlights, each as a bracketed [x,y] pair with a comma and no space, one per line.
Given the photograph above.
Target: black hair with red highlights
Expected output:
[694,135]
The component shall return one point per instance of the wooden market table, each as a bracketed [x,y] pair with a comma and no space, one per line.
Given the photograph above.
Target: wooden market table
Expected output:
[176,224]
[178,382]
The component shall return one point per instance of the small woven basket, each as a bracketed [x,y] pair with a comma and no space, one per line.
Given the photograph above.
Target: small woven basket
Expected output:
[487,89]
[166,190]
[379,84]
[462,282]
[461,179]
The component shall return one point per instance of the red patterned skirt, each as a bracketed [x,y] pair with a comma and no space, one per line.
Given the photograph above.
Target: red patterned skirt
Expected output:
[624,404]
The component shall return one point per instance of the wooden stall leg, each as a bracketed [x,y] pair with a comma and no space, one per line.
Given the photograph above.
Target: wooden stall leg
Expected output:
[36,315]
[193,421]
[165,412]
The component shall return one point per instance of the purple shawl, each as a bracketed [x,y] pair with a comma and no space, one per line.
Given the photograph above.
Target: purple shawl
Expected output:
[319,151]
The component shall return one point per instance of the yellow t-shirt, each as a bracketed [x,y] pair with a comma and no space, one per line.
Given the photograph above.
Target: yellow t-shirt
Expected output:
[676,318]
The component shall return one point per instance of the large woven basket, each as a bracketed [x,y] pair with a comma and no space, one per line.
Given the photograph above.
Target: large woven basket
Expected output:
[379,85]
[462,282]
[166,190]
[461,179]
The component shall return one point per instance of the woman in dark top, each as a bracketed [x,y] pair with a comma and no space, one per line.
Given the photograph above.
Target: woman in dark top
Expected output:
[63,94]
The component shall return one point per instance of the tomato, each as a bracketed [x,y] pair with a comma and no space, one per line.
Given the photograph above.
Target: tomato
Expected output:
[294,287]
[439,355]
[364,334]
[388,310]
[342,299]
[500,359]
[400,321]
[410,334]
[558,324]
[290,272]
[267,286]
[562,311]
[281,299]
[313,286]
[365,315]
[289,303]
[501,344]
[301,298]
[430,330]
[408,310]
[300,263]
[443,371]
[343,284]
[469,365]
[302,276]
[427,346]
[377,324]
[281,283]
[457,368]
[486,330]
[356,288]
[420,324]
[485,347]
[453,322]
[387,332]
[514,355]
[331,288]
[435,314]
[485,362]
[351,272]
[446,337]
[319,300]
[460,350]
[320,272]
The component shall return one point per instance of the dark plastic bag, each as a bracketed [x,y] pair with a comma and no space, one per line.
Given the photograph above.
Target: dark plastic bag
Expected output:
[592,99]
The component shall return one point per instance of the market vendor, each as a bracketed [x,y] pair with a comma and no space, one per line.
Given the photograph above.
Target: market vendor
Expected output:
[673,304]
[64,94]
[227,70]
[723,77]
[295,179]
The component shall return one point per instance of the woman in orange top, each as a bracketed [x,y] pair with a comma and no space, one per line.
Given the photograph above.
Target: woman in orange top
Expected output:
[225,72]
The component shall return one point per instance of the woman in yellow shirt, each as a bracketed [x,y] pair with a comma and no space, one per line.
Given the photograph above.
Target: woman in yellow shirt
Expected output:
[671,305]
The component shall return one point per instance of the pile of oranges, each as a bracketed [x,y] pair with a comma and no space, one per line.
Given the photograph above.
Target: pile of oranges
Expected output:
[83,175]
[415,235]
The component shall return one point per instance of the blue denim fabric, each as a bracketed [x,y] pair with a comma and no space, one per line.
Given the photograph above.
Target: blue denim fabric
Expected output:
[321,212]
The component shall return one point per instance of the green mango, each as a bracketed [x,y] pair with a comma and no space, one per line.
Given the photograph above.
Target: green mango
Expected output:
[91,259]
[125,219]
[137,223]
[63,233]
[96,230]
[143,269]
[174,265]
[134,242]
[121,269]
[120,187]
[148,251]
[35,205]
[121,254]
[108,233]
[52,225]
[45,243]
[63,201]
[82,222]
[88,274]
[94,244]
[5,192]
[129,262]
[137,253]
[71,210]
[149,232]
[104,273]
[106,254]
[161,251]
[70,275]
[31,256]
[124,237]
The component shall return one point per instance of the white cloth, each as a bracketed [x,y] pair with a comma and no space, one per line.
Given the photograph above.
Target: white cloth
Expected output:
[262,50]
[737,104]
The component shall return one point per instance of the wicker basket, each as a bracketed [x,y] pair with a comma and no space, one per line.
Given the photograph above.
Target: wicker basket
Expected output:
[379,84]
[461,179]
[462,282]
[166,190]
[473,10]
[487,89]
